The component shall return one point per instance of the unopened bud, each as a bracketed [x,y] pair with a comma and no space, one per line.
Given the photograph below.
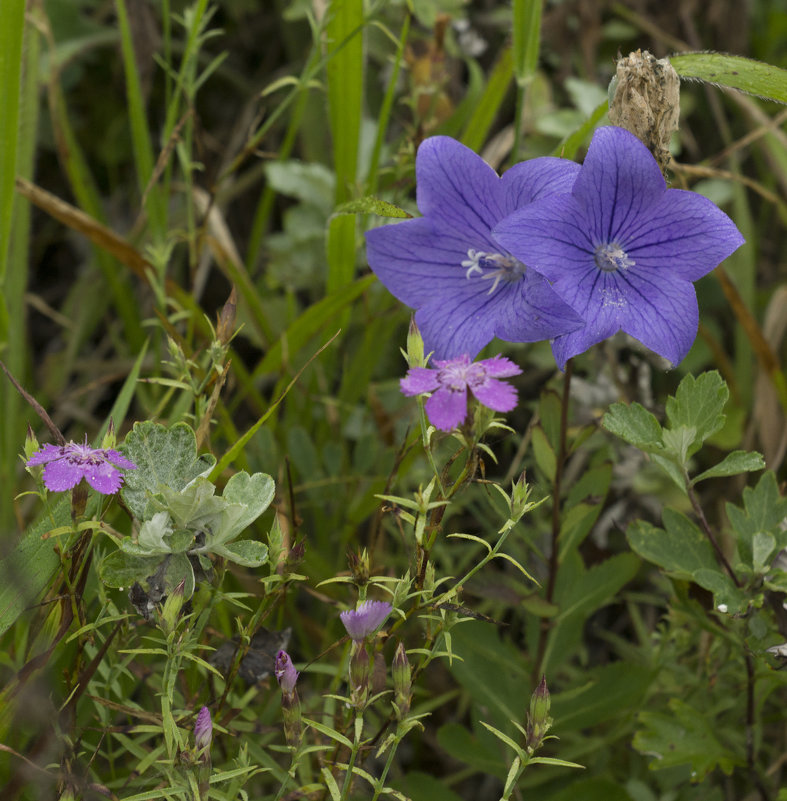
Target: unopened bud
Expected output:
[31,444]
[519,495]
[225,326]
[401,673]
[415,346]
[203,734]
[110,439]
[285,671]
[538,720]
[171,609]
[360,669]
[359,567]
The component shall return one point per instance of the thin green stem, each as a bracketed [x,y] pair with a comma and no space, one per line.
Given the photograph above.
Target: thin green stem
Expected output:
[348,776]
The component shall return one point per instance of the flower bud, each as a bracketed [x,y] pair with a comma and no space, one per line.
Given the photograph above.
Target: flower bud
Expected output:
[401,673]
[538,720]
[170,612]
[415,346]
[285,671]
[109,440]
[203,734]
[31,443]
[360,670]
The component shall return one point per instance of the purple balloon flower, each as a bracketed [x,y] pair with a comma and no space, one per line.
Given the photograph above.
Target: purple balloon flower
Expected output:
[465,287]
[285,672]
[449,382]
[67,465]
[367,618]
[622,249]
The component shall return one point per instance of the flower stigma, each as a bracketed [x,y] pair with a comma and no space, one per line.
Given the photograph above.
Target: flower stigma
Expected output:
[610,257]
[500,266]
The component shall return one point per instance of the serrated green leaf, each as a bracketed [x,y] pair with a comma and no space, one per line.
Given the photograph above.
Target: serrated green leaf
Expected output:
[698,403]
[735,72]
[634,424]
[249,553]
[684,737]
[372,205]
[193,506]
[246,498]
[732,464]
[725,593]
[679,548]
[677,443]
[764,511]
[165,457]
[671,469]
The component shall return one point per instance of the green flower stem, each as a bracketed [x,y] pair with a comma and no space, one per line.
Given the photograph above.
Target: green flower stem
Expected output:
[348,776]
[380,784]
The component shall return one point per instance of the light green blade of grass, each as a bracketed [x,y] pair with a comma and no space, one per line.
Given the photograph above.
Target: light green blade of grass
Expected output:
[344,71]
[11,35]
[734,72]
[385,110]
[526,38]
[477,130]
[84,188]
[15,284]
[122,403]
[140,135]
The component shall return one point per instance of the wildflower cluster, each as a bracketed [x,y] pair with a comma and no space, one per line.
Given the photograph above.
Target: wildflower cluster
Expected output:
[550,250]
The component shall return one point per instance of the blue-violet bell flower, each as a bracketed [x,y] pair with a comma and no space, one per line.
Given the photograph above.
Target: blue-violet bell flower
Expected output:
[285,672]
[465,287]
[66,465]
[366,619]
[449,381]
[203,730]
[622,249]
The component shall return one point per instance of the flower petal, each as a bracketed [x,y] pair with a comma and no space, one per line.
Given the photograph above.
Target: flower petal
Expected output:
[537,178]
[685,234]
[496,395]
[664,317]
[414,261]
[500,367]
[46,454]
[619,180]
[62,475]
[419,380]
[552,237]
[103,477]
[459,192]
[117,459]
[446,409]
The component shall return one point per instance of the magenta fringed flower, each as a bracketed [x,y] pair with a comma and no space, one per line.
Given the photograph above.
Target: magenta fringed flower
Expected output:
[66,465]
[449,382]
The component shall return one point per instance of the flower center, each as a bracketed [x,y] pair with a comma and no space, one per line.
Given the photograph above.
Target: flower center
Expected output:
[496,266]
[457,377]
[610,257]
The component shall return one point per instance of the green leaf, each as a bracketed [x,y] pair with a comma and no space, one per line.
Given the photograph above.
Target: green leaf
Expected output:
[246,498]
[526,38]
[735,72]
[372,205]
[193,506]
[698,403]
[684,737]
[681,548]
[732,464]
[462,745]
[544,455]
[725,593]
[485,111]
[120,570]
[613,690]
[27,571]
[764,511]
[677,443]
[634,424]
[249,553]
[165,457]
